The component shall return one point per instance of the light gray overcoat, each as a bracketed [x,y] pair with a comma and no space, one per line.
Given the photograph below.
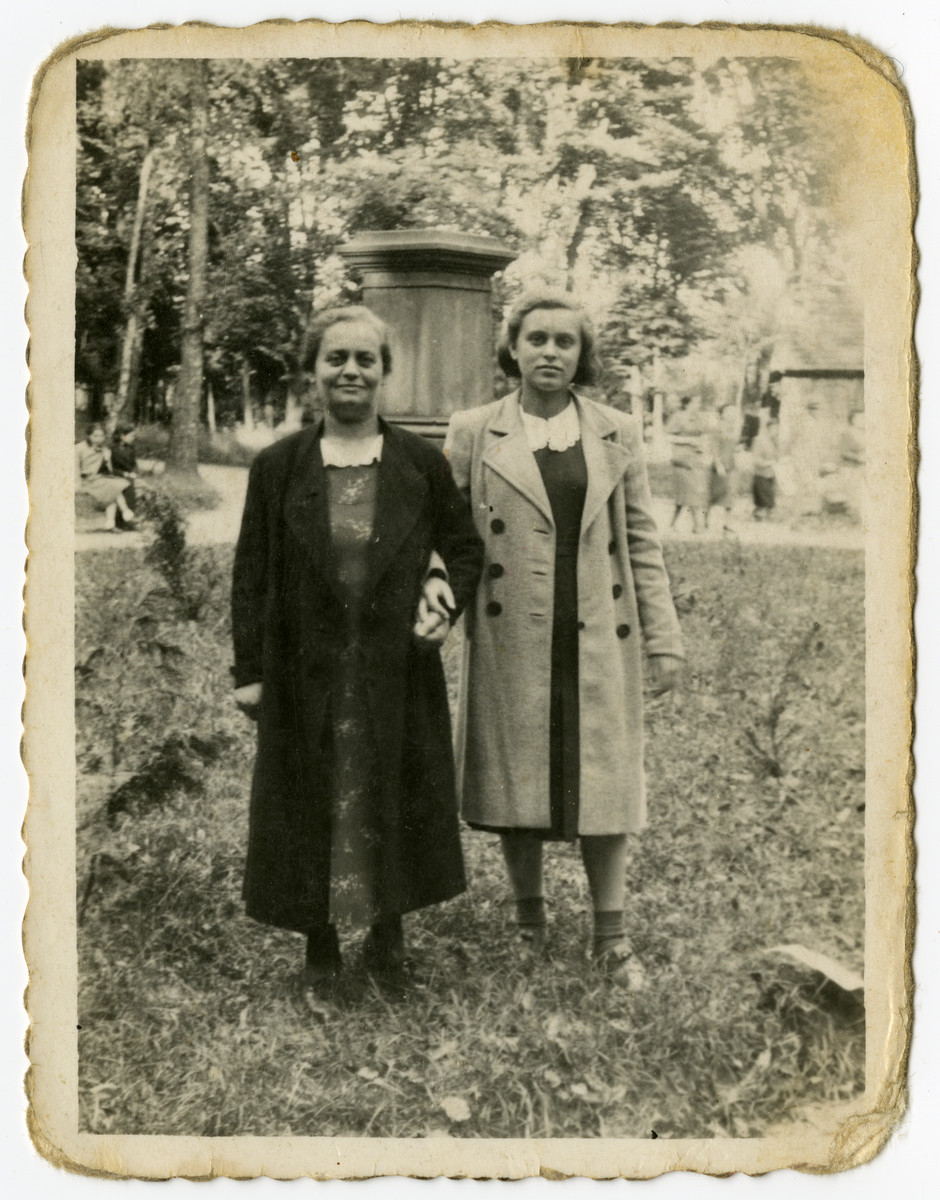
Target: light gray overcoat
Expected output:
[623,595]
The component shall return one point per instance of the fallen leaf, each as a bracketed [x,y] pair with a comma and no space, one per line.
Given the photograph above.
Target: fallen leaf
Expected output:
[367,1073]
[456,1108]
[554,1025]
[552,1078]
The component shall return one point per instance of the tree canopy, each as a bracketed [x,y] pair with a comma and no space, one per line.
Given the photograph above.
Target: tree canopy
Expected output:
[690,203]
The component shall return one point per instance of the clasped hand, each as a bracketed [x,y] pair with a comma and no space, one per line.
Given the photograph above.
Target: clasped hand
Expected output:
[433,619]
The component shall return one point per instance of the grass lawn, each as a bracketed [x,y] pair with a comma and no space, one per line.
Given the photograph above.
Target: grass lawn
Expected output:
[191,1021]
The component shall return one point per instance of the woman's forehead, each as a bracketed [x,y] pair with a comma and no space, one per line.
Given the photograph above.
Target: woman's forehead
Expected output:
[552,320]
[351,335]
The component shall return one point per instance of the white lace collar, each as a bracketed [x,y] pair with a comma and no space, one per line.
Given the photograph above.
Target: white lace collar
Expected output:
[560,432]
[351,452]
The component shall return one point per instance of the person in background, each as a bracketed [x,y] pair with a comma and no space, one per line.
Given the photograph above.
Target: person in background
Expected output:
[723,479]
[124,464]
[691,460]
[94,477]
[764,482]
[574,589]
[353,818]
[750,424]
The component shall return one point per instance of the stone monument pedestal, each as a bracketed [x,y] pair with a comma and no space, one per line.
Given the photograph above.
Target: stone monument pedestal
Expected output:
[433,288]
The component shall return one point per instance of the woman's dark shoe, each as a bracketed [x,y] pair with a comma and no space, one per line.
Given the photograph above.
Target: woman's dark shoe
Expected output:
[383,951]
[321,979]
[323,962]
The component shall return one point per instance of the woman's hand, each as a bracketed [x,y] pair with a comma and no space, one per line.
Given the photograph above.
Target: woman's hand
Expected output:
[663,673]
[433,619]
[432,625]
[248,699]
[437,597]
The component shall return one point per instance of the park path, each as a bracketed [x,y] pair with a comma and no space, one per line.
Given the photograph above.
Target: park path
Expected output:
[220,526]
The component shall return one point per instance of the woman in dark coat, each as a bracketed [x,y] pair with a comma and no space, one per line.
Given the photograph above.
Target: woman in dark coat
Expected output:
[353,811]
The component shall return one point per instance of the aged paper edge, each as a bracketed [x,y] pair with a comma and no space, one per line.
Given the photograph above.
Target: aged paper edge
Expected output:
[891,373]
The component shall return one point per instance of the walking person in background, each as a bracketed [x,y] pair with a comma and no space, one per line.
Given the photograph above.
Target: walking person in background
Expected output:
[353,817]
[723,483]
[551,741]
[691,461]
[95,477]
[764,482]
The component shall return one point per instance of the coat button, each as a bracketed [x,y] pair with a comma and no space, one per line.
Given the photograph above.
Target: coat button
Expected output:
[611,547]
[497,525]
[580,624]
[496,571]
[623,631]
[618,591]
[494,608]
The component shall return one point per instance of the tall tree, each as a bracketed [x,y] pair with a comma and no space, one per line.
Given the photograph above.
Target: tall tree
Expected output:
[184,439]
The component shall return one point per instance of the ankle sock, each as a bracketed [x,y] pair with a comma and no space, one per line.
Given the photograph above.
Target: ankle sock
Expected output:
[530,912]
[609,929]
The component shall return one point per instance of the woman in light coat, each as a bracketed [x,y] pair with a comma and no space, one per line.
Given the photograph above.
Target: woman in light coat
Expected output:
[573,587]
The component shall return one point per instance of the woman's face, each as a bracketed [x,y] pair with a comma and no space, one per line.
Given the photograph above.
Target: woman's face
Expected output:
[96,438]
[548,348]
[349,370]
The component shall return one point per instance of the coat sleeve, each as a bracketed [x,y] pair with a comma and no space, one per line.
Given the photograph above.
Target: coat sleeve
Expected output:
[658,618]
[250,581]
[456,538]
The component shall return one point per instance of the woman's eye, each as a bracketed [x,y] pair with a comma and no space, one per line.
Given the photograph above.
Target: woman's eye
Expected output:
[565,342]
[335,359]
[365,360]
[537,339]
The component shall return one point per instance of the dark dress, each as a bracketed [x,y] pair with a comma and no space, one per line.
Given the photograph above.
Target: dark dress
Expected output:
[564,473]
[348,739]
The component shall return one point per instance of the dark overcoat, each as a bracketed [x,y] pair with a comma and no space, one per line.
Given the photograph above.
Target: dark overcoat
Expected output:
[289,627]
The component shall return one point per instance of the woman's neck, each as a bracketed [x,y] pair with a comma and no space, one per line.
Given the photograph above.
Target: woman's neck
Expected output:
[359,432]
[543,404]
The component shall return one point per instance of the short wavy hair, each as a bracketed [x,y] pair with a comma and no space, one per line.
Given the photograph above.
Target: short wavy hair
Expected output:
[334,316]
[590,367]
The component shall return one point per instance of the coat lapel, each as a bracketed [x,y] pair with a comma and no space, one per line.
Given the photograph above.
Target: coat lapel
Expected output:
[307,509]
[509,455]
[401,496]
[606,459]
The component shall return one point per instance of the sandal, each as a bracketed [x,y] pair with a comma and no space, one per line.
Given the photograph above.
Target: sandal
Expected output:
[533,940]
[621,966]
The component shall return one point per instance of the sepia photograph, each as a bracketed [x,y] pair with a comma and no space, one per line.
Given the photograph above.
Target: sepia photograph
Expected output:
[484,569]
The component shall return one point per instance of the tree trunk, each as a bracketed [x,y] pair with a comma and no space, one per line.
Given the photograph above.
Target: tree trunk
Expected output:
[248,416]
[133,332]
[184,435]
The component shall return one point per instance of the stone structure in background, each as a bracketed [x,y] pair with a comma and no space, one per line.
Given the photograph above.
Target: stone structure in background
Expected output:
[818,380]
[434,289]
